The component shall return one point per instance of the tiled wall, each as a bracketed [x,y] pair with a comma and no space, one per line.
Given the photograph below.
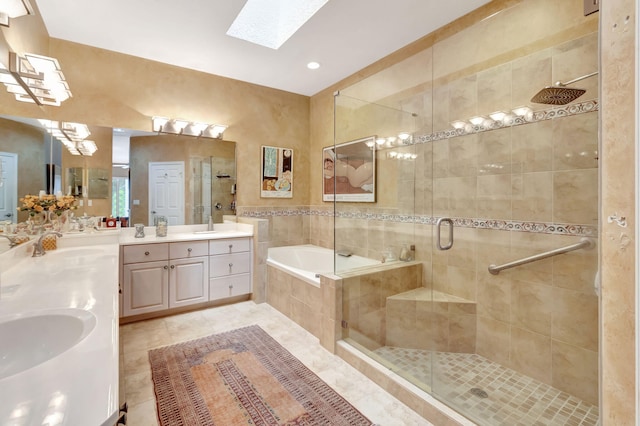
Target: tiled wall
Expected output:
[297,299]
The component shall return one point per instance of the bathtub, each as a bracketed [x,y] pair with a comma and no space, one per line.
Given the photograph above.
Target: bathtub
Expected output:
[308,262]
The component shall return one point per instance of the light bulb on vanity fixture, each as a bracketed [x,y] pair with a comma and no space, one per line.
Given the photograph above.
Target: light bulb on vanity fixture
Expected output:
[187,128]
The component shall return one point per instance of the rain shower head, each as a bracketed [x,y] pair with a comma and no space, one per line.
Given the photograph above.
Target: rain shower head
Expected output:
[559,94]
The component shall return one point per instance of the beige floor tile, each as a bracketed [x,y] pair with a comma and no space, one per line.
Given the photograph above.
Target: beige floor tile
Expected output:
[143,414]
[379,406]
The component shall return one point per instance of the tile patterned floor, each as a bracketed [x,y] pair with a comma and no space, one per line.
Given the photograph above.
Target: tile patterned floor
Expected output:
[137,338]
[512,398]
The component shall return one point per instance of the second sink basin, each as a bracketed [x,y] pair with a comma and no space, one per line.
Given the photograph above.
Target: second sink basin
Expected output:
[30,340]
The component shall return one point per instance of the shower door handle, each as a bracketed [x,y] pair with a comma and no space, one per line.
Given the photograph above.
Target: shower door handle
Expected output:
[438,233]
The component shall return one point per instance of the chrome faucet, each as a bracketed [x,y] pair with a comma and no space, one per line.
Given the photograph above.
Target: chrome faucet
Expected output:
[38,250]
[12,241]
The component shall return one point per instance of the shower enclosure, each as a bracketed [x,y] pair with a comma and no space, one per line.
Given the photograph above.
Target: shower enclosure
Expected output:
[484,177]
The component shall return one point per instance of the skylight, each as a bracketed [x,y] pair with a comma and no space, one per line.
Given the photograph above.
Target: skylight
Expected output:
[270,23]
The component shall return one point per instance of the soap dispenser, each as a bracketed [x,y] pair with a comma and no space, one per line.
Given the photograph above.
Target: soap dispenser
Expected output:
[406,254]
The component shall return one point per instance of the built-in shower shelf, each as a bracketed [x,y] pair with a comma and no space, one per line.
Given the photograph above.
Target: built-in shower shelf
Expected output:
[442,302]
[432,320]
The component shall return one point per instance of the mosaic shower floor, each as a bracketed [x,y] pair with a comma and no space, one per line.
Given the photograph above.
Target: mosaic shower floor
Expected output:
[489,393]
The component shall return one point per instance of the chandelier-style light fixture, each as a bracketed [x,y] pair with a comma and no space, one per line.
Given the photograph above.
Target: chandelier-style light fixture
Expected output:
[13,9]
[72,135]
[35,78]
[188,128]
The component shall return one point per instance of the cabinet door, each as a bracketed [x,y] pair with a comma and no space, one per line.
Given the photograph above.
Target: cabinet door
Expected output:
[235,285]
[188,281]
[145,287]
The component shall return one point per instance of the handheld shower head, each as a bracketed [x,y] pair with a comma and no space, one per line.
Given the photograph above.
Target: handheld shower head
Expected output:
[559,94]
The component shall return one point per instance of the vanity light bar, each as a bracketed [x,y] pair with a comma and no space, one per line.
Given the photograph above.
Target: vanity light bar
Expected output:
[187,128]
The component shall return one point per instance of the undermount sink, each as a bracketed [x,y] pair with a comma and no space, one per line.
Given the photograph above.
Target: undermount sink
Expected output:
[76,251]
[204,232]
[30,340]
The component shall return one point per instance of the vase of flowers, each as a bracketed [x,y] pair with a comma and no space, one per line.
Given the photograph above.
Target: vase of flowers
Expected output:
[46,208]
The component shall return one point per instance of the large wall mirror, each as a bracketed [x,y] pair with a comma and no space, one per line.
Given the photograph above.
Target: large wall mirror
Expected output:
[184,178]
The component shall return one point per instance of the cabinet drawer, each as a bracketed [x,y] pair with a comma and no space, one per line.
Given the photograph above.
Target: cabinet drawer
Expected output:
[229,246]
[235,285]
[229,264]
[145,252]
[188,249]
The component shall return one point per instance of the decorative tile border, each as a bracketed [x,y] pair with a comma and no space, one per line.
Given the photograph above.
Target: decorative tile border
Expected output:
[473,223]
[535,116]
[504,225]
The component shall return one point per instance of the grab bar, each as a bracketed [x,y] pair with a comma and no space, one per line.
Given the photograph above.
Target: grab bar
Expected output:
[585,243]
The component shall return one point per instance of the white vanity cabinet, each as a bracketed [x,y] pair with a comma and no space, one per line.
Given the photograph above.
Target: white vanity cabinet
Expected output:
[188,273]
[229,267]
[145,280]
[160,276]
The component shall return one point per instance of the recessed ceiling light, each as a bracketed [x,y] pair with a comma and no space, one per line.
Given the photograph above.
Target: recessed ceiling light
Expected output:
[270,23]
[313,65]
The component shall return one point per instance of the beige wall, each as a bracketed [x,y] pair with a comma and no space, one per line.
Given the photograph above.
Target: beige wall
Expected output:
[115,90]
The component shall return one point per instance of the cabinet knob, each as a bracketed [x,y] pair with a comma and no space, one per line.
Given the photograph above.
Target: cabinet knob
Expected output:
[189,249]
[146,253]
[173,266]
[166,267]
[230,287]
[230,248]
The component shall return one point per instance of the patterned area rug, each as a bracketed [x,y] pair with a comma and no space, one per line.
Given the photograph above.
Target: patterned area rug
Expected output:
[242,377]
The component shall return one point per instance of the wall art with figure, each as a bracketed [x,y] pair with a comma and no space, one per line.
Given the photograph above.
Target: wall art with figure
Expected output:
[277,172]
[349,171]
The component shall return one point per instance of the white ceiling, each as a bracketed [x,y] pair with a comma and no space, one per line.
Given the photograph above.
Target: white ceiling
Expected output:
[344,36]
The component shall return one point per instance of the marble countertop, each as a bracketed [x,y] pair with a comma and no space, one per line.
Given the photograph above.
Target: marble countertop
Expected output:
[80,385]
[186,233]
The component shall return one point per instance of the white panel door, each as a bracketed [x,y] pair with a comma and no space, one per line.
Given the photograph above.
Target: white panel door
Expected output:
[8,186]
[166,191]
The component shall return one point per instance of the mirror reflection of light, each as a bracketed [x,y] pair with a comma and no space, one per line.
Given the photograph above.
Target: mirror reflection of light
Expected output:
[55,410]
[20,412]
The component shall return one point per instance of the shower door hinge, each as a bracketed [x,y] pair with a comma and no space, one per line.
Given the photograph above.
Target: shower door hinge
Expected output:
[344,324]
[591,6]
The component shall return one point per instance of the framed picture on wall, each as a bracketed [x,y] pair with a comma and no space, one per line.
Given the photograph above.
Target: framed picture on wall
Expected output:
[349,171]
[277,172]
